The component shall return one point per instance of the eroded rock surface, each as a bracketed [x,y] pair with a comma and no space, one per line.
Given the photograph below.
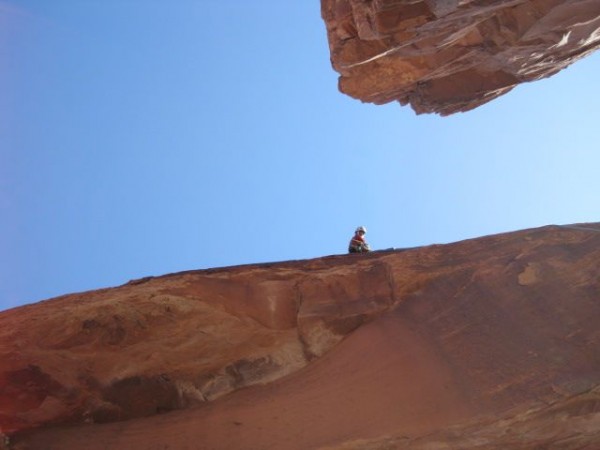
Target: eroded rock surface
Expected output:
[446,56]
[486,343]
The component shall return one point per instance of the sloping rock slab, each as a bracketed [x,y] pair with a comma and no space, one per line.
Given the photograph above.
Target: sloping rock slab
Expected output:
[487,343]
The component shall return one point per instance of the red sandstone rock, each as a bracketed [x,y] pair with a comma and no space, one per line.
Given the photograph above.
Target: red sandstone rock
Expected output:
[447,56]
[487,343]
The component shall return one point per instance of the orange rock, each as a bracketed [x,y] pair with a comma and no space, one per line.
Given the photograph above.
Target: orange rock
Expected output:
[486,343]
[446,56]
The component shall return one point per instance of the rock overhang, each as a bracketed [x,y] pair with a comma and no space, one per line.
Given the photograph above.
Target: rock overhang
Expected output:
[448,56]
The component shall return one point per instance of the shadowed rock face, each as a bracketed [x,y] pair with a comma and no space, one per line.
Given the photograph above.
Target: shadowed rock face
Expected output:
[489,343]
[447,56]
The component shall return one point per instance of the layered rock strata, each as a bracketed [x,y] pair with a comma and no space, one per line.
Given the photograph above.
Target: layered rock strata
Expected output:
[446,56]
[486,343]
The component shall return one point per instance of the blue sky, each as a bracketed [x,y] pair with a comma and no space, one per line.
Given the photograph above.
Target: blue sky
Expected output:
[147,137]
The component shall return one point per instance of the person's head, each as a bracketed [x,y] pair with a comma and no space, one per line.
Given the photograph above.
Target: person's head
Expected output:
[361,230]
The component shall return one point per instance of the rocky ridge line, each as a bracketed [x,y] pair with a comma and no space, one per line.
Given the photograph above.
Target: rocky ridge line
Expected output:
[420,342]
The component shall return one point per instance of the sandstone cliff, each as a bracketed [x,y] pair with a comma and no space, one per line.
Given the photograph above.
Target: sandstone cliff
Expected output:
[482,344]
[447,56]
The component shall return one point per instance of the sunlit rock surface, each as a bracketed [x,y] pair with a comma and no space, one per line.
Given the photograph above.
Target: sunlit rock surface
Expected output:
[489,343]
[446,56]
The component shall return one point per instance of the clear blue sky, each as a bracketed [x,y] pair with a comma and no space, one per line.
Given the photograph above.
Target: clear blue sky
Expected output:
[143,137]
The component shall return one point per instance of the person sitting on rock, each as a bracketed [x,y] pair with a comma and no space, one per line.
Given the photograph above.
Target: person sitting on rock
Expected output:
[358,243]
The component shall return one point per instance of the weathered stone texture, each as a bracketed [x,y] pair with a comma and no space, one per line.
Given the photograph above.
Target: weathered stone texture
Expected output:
[447,56]
[487,343]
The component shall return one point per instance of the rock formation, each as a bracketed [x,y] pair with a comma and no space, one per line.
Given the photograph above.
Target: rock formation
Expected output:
[446,56]
[489,343]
